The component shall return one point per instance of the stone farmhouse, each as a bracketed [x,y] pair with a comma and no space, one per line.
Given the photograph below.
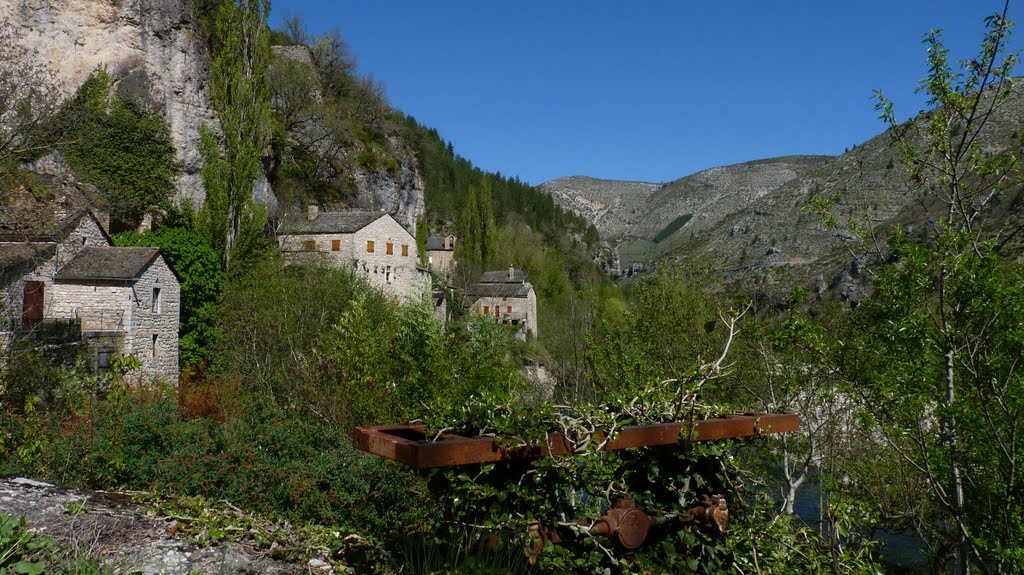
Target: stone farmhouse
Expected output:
[372,243]
[507,297]
[441,253]
[110,300]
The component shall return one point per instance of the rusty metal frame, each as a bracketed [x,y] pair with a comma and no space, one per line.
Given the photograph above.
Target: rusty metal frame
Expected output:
[409,444]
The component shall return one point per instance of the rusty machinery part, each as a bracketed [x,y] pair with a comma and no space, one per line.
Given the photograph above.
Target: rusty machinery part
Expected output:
[410,445]
[629,525]
[712,512]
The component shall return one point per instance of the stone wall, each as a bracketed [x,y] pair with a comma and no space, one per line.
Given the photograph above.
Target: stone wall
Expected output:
[394,273]
[154,328]
[519,310]
[86,234]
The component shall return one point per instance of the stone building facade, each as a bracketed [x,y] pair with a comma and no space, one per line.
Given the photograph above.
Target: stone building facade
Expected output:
[117,300]
[29,259]
[441,253]
[374,244]
[507,297]
[127,301]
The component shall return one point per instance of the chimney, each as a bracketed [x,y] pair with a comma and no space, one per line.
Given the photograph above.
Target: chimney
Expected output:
[511,272]
[312,211]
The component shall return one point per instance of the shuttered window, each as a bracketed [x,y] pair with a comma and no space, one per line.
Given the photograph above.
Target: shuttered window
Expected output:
[391,249]
[487,310]
[405,249]
[335,245]
[309,245]
[369,246]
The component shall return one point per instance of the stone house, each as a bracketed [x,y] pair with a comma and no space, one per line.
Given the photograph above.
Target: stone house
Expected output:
[441,253]
[372,243]
[112,300]
[507,297]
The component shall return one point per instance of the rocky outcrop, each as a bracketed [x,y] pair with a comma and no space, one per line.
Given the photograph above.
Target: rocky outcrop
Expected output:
[151,48]
[128,537]
[400,193]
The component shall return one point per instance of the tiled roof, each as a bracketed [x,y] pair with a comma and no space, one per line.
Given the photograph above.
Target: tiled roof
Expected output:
[437,243]
[502,277]
[12,255]
[108,264]
[498,290]
[346,222]
[40,213]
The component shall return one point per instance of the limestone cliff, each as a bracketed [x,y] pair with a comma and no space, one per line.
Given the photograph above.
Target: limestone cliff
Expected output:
[154,51]
[150,47]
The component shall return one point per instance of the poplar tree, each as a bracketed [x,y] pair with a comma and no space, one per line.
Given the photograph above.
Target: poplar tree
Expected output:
[488,228]
[469,244]
[241,54]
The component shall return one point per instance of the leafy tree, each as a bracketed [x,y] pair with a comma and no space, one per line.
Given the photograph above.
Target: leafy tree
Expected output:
[241,53]
[936,349]
[198,268]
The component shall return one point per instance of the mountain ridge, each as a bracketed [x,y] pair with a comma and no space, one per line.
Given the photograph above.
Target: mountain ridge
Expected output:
[753,220]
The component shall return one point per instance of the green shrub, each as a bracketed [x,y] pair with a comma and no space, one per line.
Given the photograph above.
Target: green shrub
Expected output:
[121,147]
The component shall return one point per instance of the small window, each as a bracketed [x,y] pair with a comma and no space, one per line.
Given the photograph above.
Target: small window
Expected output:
[103,359]
[84,240]
[155,347]
[335,245]
[156,300]
[369,246]
[430,259]
[487,310]
[405,249]
[508,309]
[309,245]
[387,277]
[391,249]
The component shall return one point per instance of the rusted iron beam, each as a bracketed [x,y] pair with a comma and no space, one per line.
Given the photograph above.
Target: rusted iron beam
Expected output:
[409,444]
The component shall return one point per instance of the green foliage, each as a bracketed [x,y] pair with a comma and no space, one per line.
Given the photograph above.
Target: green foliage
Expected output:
[935,349]
[240,47]
[24,552]
[120,146]
[198,268]
[941,415]
[449,176]
[672,227]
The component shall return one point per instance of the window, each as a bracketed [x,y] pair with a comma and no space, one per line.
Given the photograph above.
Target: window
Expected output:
[487,310]
[309,245]
[369,246]
[508,309]
[335,245]
[391,249]
[155,348]
[405,249]
[387,276]
[103,359]
[156,300]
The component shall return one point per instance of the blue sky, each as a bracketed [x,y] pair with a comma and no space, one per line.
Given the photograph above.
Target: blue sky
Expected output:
[645,90]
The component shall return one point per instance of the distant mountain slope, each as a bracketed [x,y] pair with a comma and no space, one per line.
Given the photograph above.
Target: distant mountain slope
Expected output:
[752,220]
[613,206]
